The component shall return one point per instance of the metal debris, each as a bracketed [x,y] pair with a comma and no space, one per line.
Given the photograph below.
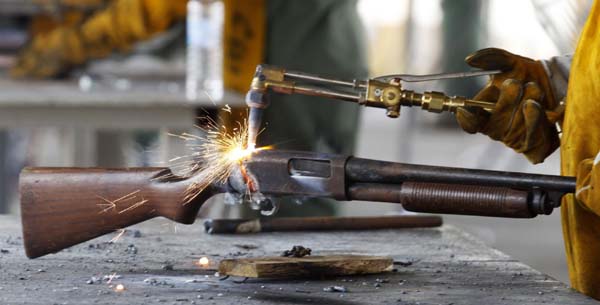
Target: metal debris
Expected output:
[246,246]
[335,289]
[15,241]
[110,277]
[94,280]
[4,251]
[302,291]
[131,249]
[167,266]
[100,246]
[297,251]
[403,263]
[155,282]
[235,254]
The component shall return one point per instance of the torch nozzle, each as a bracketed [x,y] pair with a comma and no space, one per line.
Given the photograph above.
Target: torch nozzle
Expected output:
[254,121]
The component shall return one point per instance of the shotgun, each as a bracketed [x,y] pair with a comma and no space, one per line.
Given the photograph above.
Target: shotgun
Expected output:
[61,207]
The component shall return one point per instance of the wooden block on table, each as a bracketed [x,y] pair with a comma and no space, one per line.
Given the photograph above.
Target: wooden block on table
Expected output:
[308,266]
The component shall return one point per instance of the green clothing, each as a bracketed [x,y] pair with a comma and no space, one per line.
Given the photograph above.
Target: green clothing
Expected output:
[322,37]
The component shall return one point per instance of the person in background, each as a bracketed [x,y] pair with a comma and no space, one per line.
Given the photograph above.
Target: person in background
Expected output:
[531,97]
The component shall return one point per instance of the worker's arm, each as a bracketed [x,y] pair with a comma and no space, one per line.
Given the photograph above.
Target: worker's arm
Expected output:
[588,184]
[115,28]
[527,96]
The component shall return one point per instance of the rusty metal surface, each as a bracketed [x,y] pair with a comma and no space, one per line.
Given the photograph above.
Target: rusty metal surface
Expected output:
[298,173]
[156,266]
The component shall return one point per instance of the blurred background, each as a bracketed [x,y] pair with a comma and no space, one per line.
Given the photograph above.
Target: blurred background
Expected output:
[117,111]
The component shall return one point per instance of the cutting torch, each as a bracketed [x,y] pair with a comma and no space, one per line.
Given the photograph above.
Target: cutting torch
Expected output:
[381,92]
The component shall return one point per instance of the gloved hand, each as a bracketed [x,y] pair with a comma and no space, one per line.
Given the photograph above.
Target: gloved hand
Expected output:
[116,27]
[50,54]
[588,183]
[525,110]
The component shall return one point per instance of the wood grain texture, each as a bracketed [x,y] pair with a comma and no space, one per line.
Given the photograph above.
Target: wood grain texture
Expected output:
[61,207]
[308,266]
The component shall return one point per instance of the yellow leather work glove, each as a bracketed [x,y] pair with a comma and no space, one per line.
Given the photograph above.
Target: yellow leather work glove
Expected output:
[114,28]
[50,54]
[525,114]
[588,183]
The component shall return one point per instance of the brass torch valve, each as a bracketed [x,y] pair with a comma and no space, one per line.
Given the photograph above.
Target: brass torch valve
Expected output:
[381,92]
[391,96]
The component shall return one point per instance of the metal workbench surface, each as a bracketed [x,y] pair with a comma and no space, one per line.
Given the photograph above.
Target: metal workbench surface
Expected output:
[155,263]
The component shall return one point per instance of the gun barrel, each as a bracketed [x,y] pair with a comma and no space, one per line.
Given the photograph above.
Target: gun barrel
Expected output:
[374,171]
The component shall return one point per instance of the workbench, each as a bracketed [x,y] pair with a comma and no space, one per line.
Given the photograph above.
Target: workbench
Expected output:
[156,264]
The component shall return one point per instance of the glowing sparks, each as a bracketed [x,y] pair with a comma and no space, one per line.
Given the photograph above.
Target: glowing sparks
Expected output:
[119,288]
[107,204]
[203,261]
[238,153]
[215,154]
[110,277]
[118,236]
[135,205]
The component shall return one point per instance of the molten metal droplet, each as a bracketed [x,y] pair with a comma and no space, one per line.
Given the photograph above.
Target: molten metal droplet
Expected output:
[239,153]
[119,288]
[203,261]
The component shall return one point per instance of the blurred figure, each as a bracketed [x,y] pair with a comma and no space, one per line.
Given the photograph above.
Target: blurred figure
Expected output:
[531,96]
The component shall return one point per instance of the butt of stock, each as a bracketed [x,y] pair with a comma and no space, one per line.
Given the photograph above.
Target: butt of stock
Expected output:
[61,207]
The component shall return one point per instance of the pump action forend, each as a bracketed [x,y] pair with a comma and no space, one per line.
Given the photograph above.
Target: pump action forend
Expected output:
[381,92]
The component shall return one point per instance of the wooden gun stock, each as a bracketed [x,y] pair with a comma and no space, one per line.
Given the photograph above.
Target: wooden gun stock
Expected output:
[61,207]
